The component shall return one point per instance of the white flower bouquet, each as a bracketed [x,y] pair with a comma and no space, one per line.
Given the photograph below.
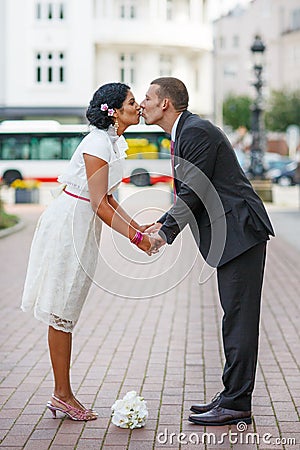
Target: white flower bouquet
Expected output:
[130,412]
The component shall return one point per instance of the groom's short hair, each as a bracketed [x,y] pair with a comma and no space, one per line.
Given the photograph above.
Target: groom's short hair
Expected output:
[175,90]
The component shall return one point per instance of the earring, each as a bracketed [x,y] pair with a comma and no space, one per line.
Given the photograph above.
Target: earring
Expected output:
[116,125]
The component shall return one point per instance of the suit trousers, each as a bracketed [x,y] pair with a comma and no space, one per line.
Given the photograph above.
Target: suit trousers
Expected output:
[240,285]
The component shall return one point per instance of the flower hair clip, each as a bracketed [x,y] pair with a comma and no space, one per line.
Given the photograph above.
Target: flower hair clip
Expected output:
[104,107]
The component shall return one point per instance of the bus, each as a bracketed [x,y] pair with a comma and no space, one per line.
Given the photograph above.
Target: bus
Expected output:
[39,150]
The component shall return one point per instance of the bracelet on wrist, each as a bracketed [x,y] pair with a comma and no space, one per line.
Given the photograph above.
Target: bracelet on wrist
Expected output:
[137,238]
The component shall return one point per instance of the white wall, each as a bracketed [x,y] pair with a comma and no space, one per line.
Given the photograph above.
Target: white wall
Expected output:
[188,38]
[91,36]
[2,50]
[25,36]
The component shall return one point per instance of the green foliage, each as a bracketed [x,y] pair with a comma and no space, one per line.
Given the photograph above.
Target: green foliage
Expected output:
[6,220]
[282,110]
[236,111]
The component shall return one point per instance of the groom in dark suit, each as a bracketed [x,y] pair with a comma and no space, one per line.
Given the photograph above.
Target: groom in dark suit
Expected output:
[231,228]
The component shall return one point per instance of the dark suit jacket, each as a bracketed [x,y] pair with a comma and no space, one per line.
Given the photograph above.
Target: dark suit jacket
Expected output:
[214,196]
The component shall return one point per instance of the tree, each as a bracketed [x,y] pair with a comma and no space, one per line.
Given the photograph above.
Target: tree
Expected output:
[282,110]
[236,111]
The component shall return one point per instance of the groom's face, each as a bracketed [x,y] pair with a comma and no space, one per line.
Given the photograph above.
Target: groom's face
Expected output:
[152,106]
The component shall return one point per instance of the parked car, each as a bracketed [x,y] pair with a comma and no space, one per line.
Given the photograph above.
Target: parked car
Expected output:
[286,176]
[282,171]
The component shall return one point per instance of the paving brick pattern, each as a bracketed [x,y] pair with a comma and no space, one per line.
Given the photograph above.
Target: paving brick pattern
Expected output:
[167,348]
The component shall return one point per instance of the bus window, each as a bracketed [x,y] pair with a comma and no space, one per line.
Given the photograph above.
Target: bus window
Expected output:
[50,148]
[35,148]
[69,145]
[15,148]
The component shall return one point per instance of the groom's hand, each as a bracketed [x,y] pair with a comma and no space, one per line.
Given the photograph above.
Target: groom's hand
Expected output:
[143,228]
[153,228]
[156,242]
[148,245]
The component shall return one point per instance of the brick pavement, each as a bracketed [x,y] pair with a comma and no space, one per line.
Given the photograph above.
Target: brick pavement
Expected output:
[168,348]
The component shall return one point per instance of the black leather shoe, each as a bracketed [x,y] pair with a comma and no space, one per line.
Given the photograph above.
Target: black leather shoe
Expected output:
[221,416]
[202,408]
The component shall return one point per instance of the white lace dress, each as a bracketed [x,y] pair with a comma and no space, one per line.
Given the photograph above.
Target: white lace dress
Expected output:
[64,250]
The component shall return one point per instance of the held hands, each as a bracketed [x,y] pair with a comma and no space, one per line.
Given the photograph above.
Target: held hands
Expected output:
[156,240]
[143,228]
[148,245]
[150,241]
[153,228]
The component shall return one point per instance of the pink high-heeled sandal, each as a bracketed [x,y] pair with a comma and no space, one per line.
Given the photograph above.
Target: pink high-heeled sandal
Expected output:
[71,411]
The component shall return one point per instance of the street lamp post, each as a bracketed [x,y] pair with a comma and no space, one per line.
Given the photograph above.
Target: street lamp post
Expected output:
[257,146]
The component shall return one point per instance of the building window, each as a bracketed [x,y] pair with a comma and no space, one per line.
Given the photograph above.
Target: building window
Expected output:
[50,67]
[196,79]
[127,68]
[230,70]
[50,11]
[45,10]
[61,68]
[297,54]
[38,68]
[235,41]
[187,9]
[296,19]
[169,11]
[204,11]
[122,11]
[61,11]
[132,11]
[127,9]
[38,8]
[221,42]
[165,65]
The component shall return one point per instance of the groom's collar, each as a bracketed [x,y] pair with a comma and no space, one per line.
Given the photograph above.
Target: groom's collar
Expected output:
[173,132]
[183,116]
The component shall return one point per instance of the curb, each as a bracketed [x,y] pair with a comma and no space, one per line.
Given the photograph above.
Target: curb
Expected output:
[7,231]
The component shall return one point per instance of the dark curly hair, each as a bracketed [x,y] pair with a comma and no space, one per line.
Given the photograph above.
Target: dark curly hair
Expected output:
[114,95]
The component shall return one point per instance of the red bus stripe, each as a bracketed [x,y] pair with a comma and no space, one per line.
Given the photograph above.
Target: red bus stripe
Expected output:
[153,180]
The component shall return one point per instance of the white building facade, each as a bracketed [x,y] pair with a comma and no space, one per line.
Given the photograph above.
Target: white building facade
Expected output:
[278,24]
[54,54]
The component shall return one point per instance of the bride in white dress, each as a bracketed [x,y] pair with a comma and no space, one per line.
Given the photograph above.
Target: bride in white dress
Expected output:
[64,249]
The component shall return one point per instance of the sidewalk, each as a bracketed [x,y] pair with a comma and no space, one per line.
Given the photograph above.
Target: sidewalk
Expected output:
[168,348]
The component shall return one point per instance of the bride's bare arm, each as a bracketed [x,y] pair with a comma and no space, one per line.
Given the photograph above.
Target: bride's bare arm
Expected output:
[97,175]
[113,202]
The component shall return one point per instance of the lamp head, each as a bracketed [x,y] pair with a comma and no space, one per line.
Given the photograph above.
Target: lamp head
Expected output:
[257,49]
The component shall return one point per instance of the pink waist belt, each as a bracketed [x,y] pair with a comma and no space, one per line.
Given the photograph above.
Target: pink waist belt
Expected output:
[76,196]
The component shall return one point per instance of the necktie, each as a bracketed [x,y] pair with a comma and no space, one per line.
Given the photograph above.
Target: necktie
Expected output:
[173,169]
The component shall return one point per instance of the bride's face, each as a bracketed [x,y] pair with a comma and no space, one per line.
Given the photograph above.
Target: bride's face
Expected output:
[129,114]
